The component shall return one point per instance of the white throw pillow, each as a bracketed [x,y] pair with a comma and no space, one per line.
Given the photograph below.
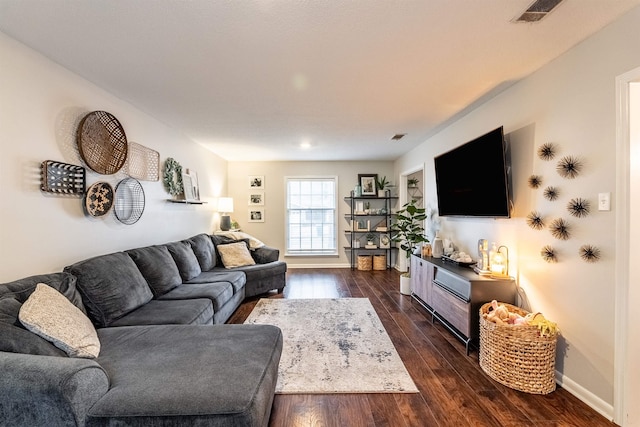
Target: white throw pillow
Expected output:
[235,255]
[52,316]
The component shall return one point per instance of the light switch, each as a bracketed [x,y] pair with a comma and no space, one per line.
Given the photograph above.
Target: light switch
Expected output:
[604,201]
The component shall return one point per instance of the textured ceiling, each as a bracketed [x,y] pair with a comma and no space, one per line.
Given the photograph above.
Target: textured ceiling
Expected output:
[254,79]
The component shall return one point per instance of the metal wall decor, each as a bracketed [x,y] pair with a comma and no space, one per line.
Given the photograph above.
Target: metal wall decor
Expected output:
[102,142]
[560,229]
[589,253]
[62,178]
[569,167]
[99,199]
[535,181]
[547,151]
[579,207]
[129,201]
[551,193]
[534,220]
[549,254]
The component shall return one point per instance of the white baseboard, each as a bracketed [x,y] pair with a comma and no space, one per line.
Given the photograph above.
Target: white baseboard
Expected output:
[293,266]
[603,408]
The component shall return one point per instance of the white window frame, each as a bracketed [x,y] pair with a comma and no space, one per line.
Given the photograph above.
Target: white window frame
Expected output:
[311,252]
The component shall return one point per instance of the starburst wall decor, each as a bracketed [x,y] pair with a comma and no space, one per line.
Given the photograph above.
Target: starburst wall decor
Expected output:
[589,253]
[547,151]
[569,167]
[551,193]
[535,181]
[534,220]
[549,254]
[578,207]
[560,229]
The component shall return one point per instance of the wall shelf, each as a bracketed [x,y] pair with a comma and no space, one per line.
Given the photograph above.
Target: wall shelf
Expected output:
[187,202]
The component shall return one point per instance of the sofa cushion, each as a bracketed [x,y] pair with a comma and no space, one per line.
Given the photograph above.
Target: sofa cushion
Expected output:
[239,235]
[219,293]
[48,314]
[111,286]
[158,268]
[235,255]
[202,247]
[185,259]
[14,337]
[157,312]
[236,278]
[218,375]
[224,240]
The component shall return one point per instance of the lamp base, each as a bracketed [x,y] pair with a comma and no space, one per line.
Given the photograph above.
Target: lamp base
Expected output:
[225,223]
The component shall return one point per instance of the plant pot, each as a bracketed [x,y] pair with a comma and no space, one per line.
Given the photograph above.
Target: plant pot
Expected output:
[382,193]
[405,285]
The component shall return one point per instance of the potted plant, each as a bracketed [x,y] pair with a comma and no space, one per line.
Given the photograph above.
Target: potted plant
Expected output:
[412,182]
[408,230]
[370,239]
[381,184]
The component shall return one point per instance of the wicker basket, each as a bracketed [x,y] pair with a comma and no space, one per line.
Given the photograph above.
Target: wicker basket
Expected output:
[365,262]
[517,356]
[380,262]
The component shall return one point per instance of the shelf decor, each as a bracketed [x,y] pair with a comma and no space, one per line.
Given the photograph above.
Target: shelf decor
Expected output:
[172,177]
[102,142]
[368,183]
[62,178]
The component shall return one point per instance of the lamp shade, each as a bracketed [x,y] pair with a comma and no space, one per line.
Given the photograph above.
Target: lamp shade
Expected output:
[225,204]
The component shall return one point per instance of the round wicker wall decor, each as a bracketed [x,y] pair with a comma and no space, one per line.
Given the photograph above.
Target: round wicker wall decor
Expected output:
[99,199]
[129,201]
[102,142]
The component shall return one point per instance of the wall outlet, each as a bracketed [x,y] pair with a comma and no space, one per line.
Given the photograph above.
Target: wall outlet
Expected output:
[604,201]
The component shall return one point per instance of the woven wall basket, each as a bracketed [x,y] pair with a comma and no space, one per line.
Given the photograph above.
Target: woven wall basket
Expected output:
[102,142]
[517,356]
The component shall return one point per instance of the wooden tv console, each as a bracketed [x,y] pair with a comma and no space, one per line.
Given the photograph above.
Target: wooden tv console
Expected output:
[453,294]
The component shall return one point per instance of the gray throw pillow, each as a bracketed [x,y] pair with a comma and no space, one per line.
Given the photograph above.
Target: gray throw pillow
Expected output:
[111,286]
[158,268]
[185,259]
[202,247]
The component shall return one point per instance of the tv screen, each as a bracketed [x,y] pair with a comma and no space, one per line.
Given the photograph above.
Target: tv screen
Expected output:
[473,179]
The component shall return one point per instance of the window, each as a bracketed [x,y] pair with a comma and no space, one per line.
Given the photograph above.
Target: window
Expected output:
[311,216]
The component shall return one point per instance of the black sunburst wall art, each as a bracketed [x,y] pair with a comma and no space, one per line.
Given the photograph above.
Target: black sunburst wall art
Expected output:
[535,181]
[547,151]
[569,167]
[551,193]
[560,229]
[589,253]
[549,254]
[535,221]
[579,207]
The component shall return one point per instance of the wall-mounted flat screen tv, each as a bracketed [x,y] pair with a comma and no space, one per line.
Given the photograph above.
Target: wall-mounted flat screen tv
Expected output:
[473,179]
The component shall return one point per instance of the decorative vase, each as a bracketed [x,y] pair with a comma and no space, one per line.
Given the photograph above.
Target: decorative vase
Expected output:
[357,192]
[437,249]
[405,285]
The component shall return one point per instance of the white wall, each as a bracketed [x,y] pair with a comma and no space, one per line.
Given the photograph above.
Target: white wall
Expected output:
[570,102]
[272,231]
[41,104]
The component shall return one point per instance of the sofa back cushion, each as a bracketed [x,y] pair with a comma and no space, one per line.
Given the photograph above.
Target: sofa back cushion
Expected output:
[111,286]
[185,259]
[202,247]
[14,337]
[158,268]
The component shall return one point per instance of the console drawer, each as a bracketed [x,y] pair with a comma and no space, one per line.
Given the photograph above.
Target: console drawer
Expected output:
[452,308]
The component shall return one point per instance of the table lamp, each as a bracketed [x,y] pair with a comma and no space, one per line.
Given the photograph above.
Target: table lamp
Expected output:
[225,206]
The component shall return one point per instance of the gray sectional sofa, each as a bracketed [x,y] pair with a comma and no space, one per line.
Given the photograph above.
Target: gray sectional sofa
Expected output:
[166,357]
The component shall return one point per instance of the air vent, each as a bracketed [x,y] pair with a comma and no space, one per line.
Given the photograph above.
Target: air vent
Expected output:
[538,10]
[398,136]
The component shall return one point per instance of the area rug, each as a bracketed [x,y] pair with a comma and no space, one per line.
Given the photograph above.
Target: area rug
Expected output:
[333,346]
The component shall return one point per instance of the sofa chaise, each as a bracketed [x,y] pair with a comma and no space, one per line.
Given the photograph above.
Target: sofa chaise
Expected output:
[165,357]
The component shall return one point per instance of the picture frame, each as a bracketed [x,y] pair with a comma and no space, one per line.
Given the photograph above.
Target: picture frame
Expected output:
[385,241]
[256,182]
[256,215]
[368,183]
[256,198]
[190,185]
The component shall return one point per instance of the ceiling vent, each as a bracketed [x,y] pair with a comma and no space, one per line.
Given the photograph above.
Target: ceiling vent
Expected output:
[398,136]
[538,10]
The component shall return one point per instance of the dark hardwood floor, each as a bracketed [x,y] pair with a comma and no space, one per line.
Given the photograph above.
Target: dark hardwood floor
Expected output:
[454,391]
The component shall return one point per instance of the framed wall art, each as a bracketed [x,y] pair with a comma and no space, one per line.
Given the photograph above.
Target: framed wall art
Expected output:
[256,198]
[256,182]
[368,183]
[256,215]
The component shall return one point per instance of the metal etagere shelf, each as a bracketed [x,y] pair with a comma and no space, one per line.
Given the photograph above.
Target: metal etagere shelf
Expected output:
[369,215]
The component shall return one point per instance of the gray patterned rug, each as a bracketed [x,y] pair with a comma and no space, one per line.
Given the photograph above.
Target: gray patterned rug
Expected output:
[333,346]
